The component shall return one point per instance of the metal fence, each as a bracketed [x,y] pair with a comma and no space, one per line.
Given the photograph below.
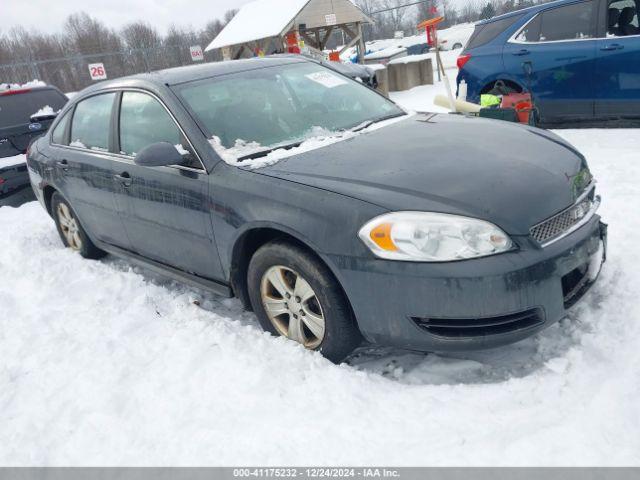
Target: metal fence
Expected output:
[71,73]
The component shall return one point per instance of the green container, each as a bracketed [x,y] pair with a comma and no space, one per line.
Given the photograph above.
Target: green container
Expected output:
[507,114]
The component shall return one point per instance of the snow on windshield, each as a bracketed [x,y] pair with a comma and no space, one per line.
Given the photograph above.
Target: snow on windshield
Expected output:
[317,137]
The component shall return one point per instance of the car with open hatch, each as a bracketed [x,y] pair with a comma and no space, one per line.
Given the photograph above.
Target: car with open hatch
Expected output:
[332,213]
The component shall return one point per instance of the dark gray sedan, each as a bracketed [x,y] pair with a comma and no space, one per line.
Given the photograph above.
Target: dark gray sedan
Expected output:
[328,210]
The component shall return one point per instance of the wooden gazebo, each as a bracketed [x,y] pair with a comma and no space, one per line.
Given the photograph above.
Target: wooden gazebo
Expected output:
[268,26]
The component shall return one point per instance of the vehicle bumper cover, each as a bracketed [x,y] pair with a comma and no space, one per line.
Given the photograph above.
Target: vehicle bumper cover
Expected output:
[387,296]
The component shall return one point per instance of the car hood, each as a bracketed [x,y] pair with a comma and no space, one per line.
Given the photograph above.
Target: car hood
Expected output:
[512,175]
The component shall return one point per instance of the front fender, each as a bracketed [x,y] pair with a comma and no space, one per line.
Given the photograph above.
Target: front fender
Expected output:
[326,222]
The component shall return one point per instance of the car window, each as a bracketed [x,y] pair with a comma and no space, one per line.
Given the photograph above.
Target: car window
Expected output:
[17,108]
[486,32]
[531,31]
[58,135]
[571,22]
[91,120]
[622,18]
[144,121]
[282,104]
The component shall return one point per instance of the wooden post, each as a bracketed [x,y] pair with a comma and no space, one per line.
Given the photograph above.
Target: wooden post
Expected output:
[362,49]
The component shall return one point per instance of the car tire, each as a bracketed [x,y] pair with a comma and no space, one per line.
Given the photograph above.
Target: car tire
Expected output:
[274,278]
[70,230]
[456,46]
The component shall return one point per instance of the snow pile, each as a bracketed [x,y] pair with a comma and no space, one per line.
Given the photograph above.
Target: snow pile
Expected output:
[318,137]
[448,37]
[45,111]
[14,161]
[107,364]
[17,86]
[256,20]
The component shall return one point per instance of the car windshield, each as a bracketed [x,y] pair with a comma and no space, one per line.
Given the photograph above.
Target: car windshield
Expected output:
[283,105]
[17,108]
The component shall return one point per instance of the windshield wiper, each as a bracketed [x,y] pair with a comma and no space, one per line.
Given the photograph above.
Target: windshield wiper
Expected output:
[267,151]
[368,123]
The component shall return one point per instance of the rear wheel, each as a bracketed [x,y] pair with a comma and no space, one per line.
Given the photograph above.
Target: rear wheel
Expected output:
[294,295]
[71,232]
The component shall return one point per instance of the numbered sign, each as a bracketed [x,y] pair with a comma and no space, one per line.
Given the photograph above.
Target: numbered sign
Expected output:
[196,53]
[97,71]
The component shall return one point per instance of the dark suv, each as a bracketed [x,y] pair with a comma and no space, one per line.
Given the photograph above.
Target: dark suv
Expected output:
[25,113]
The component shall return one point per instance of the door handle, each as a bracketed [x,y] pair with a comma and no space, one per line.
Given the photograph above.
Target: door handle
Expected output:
[520,53]
[124,178]
[63,164]
[612,46]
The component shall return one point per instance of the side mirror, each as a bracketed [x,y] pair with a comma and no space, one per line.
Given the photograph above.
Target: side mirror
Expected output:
[159,154]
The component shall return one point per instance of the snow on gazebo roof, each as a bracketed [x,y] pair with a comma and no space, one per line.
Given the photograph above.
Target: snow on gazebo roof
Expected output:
[257,20]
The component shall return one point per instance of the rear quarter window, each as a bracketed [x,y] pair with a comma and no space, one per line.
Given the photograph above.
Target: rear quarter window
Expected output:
[484,33]
[16,109]
[59,136]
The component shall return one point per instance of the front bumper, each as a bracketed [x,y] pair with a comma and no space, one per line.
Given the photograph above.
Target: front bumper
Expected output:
[472,304]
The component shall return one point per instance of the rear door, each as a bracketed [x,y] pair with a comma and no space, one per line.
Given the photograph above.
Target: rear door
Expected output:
[84,170]
[557,47]
[166,210]
[617,73]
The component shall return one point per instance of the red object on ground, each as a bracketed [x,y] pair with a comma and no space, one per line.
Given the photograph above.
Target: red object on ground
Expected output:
[462,59]
[521,102]
[334,56]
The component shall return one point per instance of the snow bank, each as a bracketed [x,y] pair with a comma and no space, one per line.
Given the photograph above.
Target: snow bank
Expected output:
[107,364]
[12,161]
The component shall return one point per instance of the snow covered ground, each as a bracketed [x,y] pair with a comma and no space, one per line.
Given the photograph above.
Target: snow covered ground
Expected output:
[106,364]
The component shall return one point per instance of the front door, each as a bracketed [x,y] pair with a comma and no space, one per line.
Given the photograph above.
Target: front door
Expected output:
[165,209]
[617,77]
[554,56]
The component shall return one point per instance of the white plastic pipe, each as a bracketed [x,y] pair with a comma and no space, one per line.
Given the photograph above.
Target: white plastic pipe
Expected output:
[461,105]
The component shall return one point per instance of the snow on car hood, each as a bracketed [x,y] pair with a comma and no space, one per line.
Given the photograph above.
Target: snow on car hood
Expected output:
[511,175]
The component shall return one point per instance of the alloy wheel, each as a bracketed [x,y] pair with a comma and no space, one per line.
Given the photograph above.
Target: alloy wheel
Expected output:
[292,306]
[69,227]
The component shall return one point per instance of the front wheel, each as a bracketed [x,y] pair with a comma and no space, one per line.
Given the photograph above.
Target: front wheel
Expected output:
[294,295]
[71,232]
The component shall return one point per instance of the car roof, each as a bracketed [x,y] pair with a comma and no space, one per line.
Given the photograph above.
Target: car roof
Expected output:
[534,8]
[190,73]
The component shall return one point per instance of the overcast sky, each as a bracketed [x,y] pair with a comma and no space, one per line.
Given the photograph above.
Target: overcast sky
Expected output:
[49,15]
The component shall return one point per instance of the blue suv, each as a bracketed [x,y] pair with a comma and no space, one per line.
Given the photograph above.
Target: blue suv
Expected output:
[580,59]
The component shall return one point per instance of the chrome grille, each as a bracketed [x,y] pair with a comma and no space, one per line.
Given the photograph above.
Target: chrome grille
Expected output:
[568,220]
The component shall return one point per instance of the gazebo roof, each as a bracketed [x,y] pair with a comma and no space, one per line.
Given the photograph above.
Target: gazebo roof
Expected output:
[257,20]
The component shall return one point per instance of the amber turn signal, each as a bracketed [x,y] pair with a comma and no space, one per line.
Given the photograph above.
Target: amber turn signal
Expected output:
[381,236]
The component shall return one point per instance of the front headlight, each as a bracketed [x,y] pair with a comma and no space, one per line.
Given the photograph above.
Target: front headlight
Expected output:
[432,237]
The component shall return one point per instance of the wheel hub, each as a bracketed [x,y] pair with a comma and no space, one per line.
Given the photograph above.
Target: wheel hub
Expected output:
[292,306]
